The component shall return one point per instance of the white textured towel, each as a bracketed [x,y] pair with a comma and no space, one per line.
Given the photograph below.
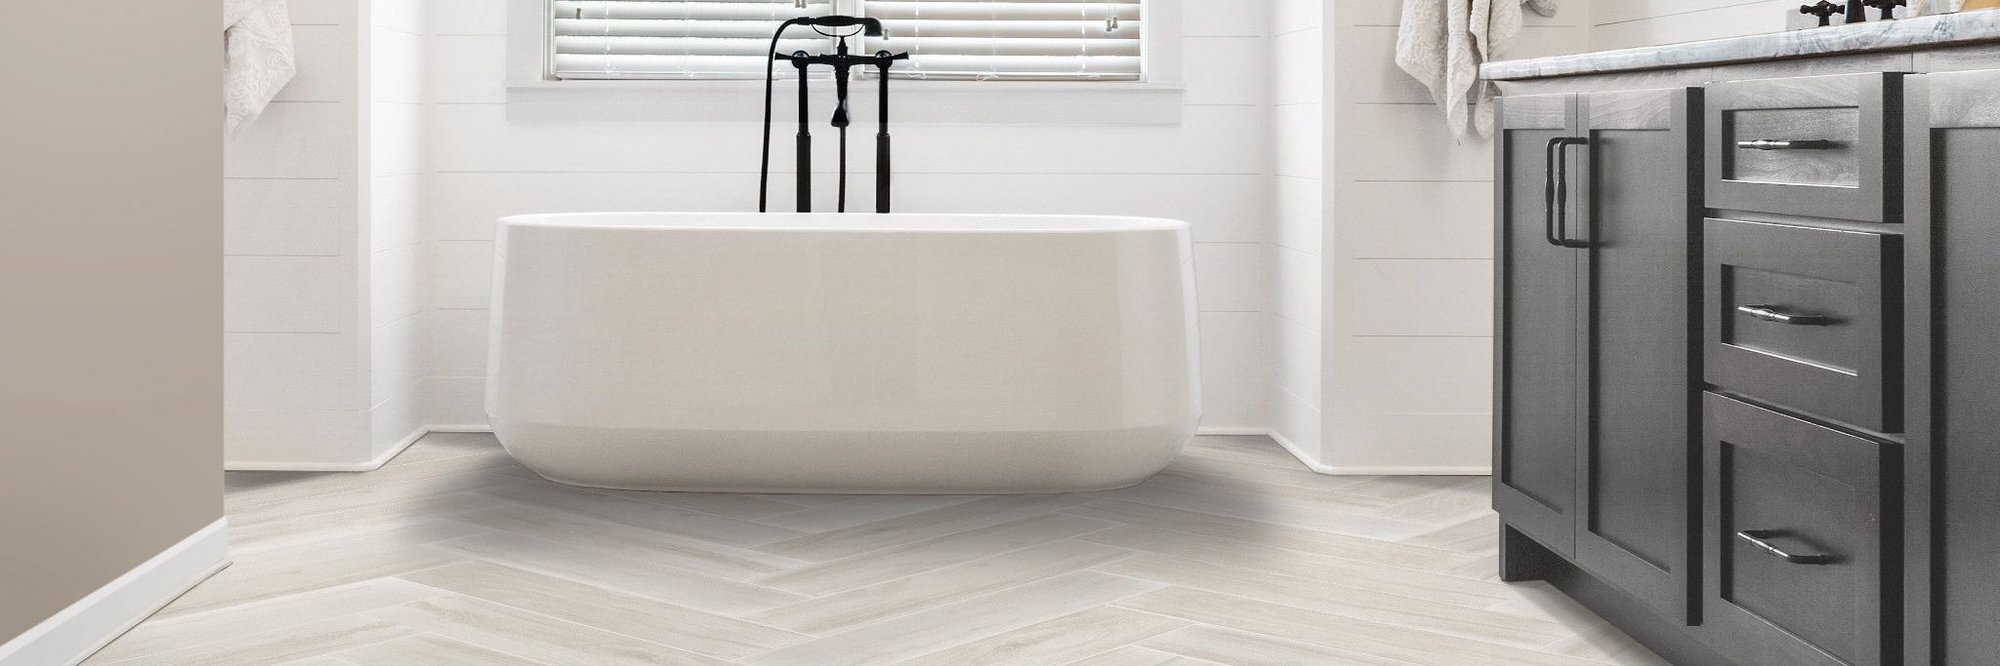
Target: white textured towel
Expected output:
[257,60]
[1443,42]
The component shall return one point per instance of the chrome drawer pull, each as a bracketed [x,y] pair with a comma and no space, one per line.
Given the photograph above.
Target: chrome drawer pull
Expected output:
[1771,313]
[1775,144]
[1757,538]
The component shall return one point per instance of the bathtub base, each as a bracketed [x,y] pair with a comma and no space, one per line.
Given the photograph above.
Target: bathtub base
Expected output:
[873,463]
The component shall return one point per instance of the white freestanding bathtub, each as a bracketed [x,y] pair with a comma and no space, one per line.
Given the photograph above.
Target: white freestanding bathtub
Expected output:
[824,353]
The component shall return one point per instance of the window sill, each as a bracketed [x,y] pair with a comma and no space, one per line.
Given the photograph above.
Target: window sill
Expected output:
[921,102]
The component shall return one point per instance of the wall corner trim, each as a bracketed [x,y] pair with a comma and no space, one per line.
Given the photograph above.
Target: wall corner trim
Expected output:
[70,636]
[1311,462]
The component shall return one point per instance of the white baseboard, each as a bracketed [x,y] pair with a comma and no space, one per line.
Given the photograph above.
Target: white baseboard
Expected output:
[1333,470]
[1436,470]
[369,465]
[1304,459]
[459,428]
[1310,461]
[70,636]
[1234,431]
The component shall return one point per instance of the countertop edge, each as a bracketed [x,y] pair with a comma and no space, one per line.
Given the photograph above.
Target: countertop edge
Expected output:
[1897,35]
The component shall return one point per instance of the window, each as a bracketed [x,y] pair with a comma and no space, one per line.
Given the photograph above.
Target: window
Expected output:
[1059,40]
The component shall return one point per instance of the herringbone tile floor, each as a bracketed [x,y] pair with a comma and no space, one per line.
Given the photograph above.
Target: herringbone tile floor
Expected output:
[453,554]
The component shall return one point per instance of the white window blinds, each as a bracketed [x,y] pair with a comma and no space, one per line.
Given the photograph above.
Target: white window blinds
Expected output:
[1012,39]
[946,39]
[673,39]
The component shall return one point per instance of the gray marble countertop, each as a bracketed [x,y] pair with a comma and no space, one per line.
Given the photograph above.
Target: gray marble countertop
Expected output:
[1909,33]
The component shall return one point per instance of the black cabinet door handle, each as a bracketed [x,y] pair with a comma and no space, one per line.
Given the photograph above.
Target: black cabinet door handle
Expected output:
[1555,193]
[1774,314]
[1757,538]
[1778,144]
[1549,159]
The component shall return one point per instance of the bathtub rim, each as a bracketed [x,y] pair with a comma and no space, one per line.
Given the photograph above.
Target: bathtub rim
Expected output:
[981,223]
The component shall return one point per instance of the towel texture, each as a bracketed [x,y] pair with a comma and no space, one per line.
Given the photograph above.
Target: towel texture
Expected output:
[1443,42]
[257,57]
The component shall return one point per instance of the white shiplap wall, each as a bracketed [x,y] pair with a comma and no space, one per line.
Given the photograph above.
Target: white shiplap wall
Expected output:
[398,316]
[1298,123]
[1620,24]
[293,391]
[1210,168]
[1406,256]
[322,340]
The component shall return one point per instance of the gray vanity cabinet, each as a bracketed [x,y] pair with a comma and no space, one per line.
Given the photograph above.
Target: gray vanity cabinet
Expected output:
[1598,239]
[1804,346]
[1953,360]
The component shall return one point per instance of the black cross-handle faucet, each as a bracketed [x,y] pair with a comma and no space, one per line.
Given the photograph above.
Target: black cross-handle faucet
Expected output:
[1824,10]
[1888,7]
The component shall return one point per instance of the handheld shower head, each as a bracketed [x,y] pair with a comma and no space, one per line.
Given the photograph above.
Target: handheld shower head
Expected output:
[871,27]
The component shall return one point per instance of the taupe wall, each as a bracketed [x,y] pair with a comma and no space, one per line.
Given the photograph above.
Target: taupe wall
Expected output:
[110,292]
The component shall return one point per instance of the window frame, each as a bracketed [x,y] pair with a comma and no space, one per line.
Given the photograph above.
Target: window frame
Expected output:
[532,95]
[1151,37]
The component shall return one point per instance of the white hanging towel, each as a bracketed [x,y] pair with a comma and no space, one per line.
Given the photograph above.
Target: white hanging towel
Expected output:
[1443,42]
[257,57]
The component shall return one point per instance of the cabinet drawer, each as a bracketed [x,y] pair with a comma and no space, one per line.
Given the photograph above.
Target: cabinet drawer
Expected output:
[1797,550]
[1818,146]
[1806,318]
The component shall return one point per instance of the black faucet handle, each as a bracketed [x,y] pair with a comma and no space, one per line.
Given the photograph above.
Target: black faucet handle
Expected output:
[1824,10]
[1888,7]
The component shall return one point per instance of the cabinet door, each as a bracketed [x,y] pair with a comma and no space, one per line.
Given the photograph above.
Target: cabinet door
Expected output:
[1953,362]
[1535,392]
[1641,348]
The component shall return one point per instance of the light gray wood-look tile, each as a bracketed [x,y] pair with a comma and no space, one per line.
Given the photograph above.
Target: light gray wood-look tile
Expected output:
[1392,641]
[1290,507]
[696,555]
[637,576]
[1061,640]
[1239,648]
[888,564]
[706,526]
[630,615]
[284,524]
[301,570]
[1278,536]
[1474,536]
[1464,500]
[963,622]
[862,510]
[1406,488]
[743,507]
[1538,599]
[1305,593]
[455,554]
[281,645]
[1330,572]
[429,650]
[1133,655]
[920,525]
[532,636]
[1607,644]
[903,596]
[222,624]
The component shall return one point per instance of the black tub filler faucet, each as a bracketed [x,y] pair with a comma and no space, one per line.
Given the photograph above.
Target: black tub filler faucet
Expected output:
[843,64]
